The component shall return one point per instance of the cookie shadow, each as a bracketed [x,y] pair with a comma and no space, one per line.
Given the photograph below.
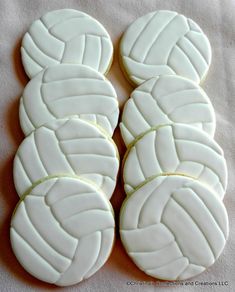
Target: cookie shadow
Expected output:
[17,63]
[117,77]
[9,197]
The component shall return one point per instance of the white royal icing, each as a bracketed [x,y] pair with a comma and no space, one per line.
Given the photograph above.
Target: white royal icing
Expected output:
[164,42]
[65,90]
[62,231]
[176,149]
[67,146]
[66,36]
[173,227]
[164,100]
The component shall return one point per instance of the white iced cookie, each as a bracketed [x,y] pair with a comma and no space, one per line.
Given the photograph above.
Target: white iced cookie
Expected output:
[62,231]
[66,36]
[164,42]
[173,228]
[67,146]
[164,100]
[177,149]
[65,90]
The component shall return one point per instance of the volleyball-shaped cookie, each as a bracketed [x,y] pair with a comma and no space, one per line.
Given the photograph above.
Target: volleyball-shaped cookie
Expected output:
[66,90]
[164,100]
[62,231]
[66,36]
[178,149]
[67,146]
[173,228]
[164,42]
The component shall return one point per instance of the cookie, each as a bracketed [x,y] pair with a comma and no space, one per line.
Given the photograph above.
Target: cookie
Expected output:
[62,230]
[179,149]
[66,36]
[66,90]
[164,100]
[164,42]
[173,228]
[67,146]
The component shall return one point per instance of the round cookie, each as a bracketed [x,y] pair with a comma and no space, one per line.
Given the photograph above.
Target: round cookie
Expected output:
[62,231]
[173,227]
[67,146]
[65,90]
[164,42]
[179,149]
[66,36]
[164,100]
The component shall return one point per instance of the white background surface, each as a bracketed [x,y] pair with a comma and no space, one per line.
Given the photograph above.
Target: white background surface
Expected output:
[217,19]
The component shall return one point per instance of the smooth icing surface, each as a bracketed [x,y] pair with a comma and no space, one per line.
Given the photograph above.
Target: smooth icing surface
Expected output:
[173,227]
[176,149]
[66,36]
[65,90]
[67,146]
[63,231]
[164,100]
[164,42]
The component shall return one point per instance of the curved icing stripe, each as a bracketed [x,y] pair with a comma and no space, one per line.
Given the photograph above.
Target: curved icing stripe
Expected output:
[190,152]
[69,90]
[161,219]
[66,36]
[62,231]
[164,100]
[67,146]
[164,42]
